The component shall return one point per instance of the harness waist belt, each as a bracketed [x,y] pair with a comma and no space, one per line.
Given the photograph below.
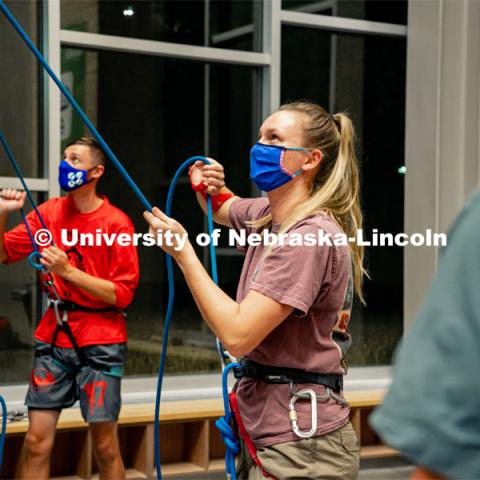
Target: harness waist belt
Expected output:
[66,306]
[279,375]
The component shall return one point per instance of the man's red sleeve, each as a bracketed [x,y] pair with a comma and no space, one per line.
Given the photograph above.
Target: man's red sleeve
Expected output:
[16,242]
[124,271]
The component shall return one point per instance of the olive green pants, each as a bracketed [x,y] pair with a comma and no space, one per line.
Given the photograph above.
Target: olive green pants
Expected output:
[333,456]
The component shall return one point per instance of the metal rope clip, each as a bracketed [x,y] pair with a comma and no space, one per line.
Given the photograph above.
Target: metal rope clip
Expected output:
[224,354]
[55,303]
[306,393]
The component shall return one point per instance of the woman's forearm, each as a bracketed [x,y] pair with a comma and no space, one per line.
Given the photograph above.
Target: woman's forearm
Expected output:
[221,216]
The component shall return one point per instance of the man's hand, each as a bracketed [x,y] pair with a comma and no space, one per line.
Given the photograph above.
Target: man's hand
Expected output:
[11,200]
[56,261]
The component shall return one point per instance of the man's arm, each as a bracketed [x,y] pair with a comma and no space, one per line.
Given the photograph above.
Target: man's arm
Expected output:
[3,228]
[10,201]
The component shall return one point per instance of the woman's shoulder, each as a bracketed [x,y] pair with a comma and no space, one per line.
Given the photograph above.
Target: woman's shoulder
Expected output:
[321,220]
[252,208]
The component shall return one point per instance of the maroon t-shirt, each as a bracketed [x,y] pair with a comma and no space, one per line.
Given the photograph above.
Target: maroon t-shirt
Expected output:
[315,280]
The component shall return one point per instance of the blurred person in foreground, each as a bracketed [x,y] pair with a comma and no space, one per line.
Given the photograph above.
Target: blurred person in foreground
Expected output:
[432,411]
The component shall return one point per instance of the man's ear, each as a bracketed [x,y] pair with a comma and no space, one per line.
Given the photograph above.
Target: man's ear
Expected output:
[99,171]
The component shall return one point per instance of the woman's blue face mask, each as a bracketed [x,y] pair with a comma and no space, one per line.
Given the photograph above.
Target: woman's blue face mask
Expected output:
[71,178]
[267,169]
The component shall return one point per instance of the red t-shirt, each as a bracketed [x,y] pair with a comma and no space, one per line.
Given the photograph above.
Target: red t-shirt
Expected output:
[116,263]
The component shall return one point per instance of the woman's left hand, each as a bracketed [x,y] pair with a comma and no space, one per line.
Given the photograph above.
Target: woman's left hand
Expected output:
[170,235]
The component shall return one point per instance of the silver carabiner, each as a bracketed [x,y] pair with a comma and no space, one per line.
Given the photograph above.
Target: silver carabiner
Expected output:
[224,354]
[61,319]
[303,394]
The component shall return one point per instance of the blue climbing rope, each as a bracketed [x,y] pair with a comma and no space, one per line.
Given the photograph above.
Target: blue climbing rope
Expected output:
[4,429]
[224,425]
[171,299]
[35,255]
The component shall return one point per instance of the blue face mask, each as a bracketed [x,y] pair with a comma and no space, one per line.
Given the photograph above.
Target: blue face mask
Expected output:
[71,178]
[267,170]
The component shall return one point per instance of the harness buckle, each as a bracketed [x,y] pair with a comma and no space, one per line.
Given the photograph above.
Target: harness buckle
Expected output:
[306,393]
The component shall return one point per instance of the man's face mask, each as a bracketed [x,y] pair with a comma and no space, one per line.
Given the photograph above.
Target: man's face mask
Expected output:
[267,168]
[71,178]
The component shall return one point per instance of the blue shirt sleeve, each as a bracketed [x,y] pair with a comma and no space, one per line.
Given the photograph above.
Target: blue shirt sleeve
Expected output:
[432,411]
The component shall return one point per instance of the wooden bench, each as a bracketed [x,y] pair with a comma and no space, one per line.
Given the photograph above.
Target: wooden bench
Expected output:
[190,442]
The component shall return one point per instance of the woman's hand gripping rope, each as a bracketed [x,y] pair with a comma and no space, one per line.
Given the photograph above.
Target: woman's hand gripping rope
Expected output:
[208,178]
[170,235]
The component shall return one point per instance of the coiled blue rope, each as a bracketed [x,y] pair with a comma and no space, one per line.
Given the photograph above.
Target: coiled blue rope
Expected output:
[4,429]
[224,425]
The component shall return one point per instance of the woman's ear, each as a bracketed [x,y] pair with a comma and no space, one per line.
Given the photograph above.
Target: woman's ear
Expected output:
[314,159]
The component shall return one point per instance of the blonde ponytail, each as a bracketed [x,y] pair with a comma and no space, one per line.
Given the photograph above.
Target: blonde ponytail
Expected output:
[335,188]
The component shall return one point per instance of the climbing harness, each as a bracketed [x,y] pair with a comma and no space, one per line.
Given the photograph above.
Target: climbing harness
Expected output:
[279,375]
[242,432]
[333,384]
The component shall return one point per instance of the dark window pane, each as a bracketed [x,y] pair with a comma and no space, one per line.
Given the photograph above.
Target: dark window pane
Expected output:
[389,11]
[364,76]
[19,314]
[152,111]
[219,23]
[20,92]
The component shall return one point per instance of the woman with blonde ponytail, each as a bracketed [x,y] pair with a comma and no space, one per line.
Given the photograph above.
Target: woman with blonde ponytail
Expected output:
[289,322]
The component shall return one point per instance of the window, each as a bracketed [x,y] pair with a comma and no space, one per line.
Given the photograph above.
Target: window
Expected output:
[388,11]
[20,121]
[365,76]
[20,93]
[19,314]
[217,23]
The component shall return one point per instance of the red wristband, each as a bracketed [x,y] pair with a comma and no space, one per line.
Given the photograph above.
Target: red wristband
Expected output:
[217,200]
